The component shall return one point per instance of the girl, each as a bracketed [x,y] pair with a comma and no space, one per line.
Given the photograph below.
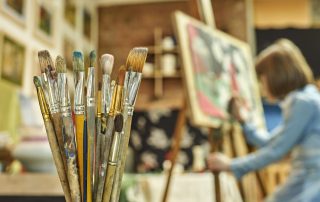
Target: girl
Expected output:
[284,75]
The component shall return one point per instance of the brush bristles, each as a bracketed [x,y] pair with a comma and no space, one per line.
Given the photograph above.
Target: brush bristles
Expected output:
[136,59]
[45,61]
[118,123]
[107,63]
[37,81]
[121,75]
[78,63]
[93,57]
[61,65]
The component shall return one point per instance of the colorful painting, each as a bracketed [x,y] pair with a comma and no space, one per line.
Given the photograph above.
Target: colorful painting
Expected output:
[216,66]
[86,24]
[15,9]
[12,61]
[45,20]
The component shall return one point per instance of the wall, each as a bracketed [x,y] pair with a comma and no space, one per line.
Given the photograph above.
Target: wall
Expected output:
[25,34]
[282,13]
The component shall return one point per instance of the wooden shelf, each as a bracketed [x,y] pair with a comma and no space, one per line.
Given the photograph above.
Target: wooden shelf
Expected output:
[159,50]
[30,184]
[173,76]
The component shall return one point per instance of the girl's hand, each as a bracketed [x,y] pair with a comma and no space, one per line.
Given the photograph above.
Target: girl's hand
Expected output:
[234,109]
[218,162]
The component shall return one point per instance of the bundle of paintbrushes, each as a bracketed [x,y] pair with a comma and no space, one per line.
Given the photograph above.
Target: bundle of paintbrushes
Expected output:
[89,140]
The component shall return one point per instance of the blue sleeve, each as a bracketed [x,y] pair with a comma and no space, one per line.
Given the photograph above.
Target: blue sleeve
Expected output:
[255,137]
[287,135]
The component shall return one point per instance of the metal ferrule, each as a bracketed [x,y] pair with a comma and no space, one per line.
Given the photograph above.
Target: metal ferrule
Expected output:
[132,87]
[90,88]
[106,93]
[79,93]
[64,97]
[114,152]
[99,104]
[50,94]
[116,103]
[43,105]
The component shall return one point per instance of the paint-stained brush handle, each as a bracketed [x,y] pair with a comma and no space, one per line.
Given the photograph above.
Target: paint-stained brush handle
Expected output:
[105,150]
[71,153]
[109,182]
[90,154]
[79,122]
[57,123]
[122,160]
[58,159]
[97,157]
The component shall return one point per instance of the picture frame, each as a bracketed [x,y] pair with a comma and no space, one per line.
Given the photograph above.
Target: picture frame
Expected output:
[12,60]
[15,9]
[216,66]
[70,12]
[44,21]
[68,48]
[203,11]
[86,23]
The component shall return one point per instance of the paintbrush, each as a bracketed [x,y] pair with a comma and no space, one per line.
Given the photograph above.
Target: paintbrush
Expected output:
[106,66]
[68,130]
[52,139]
[116,108]
[49,79]
[135,62]
[98,145]
[113,157]
[79,110]
[90,124]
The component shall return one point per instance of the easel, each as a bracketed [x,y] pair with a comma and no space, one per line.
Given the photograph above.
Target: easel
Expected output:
[215,139]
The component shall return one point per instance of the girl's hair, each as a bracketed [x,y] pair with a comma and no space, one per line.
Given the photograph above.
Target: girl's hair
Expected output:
[284,67]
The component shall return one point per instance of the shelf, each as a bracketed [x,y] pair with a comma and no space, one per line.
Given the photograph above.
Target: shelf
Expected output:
[160,50]
[30,184]
[173,76]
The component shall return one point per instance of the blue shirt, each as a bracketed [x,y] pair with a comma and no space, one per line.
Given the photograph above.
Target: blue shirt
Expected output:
[300,133]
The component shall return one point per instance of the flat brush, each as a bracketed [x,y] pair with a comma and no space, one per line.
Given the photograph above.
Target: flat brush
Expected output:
[49,78]
[79,110]
[68,130]
[135,62]
[113,157]
[90,124]
[52,139]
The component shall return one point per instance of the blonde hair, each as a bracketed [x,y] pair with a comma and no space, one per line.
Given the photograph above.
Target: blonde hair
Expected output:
[284,67]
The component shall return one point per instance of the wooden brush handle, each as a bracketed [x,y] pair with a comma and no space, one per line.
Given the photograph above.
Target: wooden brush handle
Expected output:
[105,150]
[57,123]
[79,122]
[111,171]
[122,161]
[97,157]
[71,151]
[91,128]
[58,159]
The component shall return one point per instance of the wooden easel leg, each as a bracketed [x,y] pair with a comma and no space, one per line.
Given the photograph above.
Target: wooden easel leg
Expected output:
[216,139]
[175,147]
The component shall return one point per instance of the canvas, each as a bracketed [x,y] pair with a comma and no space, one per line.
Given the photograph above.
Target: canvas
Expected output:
[12,61]
[216,66]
